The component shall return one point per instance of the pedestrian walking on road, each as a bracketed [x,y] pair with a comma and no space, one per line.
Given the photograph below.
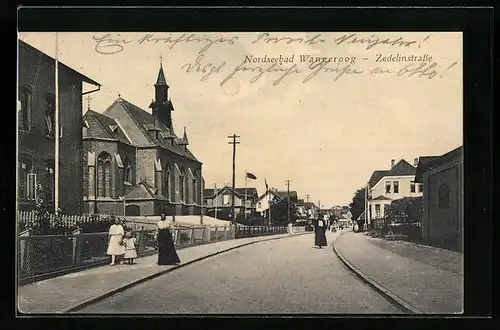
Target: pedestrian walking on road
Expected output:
[115,245]
[290,228]
[320,233]
[166,248]
[130,252]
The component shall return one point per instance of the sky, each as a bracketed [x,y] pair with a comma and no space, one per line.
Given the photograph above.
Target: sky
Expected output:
[325,126]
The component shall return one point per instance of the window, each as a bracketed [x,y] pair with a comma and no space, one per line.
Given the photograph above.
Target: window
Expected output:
[421,187]
[25,167]
[50,112]
[31,186]
[225,199]
[127,171]
[195,193]
[396,187]
[388,187]
[182,177]
[412,186]
[104,175]
[166,182]
[50,182]
[259,204]
[26,109]
[377,211]
[444,196]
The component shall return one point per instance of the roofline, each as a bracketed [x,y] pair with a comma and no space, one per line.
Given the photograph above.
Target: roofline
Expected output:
[86,78]
[145,133]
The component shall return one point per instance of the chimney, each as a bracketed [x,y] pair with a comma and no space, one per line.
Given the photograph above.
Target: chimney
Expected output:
[415,161]
[393,162]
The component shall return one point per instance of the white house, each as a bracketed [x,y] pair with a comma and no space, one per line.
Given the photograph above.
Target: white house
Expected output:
[387,185]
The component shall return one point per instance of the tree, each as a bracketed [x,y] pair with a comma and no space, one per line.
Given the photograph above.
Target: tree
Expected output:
[279,211]
[358,206]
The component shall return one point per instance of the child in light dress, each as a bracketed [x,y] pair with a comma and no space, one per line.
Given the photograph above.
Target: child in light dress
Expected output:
[130,252]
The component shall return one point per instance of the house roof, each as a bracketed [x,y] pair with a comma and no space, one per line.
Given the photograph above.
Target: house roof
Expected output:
[376,176]
[146,121]
[284,195]
[427,163]
[251,192]
[402,168]
[83,77]
[380,198]
[101,126]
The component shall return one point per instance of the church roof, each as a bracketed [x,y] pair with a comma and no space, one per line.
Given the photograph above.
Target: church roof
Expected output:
[101,126]
[141,191]
[145,121]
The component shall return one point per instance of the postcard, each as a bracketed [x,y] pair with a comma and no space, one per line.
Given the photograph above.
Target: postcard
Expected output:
[240,173]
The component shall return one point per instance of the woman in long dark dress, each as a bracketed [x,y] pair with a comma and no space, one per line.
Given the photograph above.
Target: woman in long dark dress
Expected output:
[166,248]
[319,233]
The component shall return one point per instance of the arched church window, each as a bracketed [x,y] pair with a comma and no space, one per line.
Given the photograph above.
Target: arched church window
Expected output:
[104,175]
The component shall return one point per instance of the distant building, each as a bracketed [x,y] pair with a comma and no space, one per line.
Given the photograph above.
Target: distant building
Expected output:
[135,155]
[36,131]
[262,202]
[220,199]
[385,186]
[443,197]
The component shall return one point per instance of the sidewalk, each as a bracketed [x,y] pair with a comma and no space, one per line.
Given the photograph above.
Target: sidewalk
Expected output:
[60,293]
[430,279]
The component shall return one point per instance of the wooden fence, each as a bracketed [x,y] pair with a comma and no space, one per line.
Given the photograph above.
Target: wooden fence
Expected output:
[29,218]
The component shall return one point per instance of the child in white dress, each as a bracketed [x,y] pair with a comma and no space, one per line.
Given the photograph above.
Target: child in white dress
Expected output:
[130,252]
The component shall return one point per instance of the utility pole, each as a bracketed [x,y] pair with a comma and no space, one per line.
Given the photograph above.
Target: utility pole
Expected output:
[288,198]
[234,143]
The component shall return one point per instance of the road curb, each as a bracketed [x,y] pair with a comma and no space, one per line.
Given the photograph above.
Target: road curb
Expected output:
[403,305]
[93,300]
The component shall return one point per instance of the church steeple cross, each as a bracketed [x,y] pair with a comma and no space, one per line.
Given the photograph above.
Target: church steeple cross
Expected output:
[161,59]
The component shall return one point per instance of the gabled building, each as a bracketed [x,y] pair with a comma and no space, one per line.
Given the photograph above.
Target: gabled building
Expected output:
[385,186]
[273,196]
[220,199]
[134,158]
[37,126]
[442,177]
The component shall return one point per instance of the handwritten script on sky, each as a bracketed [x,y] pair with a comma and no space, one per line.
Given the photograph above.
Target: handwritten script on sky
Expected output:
[341,55]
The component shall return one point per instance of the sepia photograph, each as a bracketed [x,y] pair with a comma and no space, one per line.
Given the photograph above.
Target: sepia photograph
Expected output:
[240,173]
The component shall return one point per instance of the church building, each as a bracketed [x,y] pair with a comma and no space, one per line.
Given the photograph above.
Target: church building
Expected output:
[134,163]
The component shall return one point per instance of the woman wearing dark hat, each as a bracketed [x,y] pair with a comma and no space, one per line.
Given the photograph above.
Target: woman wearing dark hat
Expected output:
[166,248]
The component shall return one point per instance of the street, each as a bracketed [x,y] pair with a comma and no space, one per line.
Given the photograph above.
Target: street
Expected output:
[281,276]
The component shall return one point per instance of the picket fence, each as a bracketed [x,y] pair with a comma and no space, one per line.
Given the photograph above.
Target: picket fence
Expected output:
[29,218]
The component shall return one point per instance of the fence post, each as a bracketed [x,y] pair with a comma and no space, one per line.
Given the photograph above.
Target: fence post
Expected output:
[225,232]
[191,236]
[76,252]
[23,248]
[140,247]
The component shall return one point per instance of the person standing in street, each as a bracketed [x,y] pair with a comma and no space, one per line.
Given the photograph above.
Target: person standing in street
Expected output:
[290,228]
[320,233]
[115,245]
[166,248]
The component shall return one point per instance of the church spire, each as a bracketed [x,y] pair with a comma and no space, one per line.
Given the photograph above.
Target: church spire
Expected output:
[161,81]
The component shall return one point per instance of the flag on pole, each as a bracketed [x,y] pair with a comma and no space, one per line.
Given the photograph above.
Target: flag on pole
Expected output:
[251,176]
